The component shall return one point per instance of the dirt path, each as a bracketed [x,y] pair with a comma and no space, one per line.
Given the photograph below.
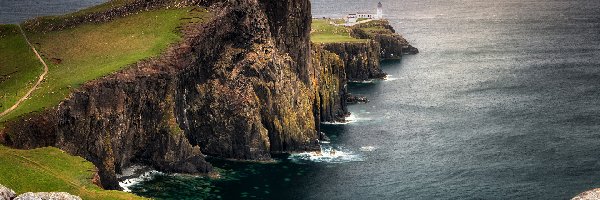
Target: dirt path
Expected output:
[38,81]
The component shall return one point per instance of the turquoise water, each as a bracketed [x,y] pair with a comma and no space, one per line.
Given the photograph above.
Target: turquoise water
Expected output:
[501,103]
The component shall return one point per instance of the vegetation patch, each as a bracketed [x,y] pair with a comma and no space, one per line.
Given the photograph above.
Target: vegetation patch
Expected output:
[324,31]
[89,51]
[375,27]
[19,67]
[51,170]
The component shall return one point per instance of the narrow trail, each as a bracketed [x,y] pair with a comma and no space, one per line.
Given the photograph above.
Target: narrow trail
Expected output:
[39,81]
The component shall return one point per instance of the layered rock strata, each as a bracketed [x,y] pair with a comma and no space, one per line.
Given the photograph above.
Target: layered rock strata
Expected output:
[361,59]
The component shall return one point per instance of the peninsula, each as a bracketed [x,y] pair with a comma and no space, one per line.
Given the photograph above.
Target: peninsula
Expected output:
[165,83]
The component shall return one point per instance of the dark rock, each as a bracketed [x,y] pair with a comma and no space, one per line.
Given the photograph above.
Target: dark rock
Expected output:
[353,99]
[330,104]
[393,45]
[361,59]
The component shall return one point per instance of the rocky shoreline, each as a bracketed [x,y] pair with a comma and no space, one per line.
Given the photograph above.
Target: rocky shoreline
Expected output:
[243,86]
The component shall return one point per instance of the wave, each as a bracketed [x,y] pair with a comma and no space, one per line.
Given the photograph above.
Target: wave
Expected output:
[365,81]
[352,118]
[368,148]
[328,154]
[135,174]
[389,78]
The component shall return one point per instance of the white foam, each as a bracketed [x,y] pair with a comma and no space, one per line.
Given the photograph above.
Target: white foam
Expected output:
[389,78]
[127,183]
[365,81]
[347,120]
[368,148]
[327,154]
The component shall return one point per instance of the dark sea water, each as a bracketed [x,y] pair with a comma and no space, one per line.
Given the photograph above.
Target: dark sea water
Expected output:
[503,102]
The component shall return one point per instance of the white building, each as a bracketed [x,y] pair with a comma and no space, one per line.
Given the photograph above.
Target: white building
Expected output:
[352,18]
[379,11]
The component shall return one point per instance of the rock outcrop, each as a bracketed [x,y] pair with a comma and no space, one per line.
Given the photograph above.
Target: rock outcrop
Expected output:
[361,59]
[6,193]
[393,45]
[588,195]
[47,196]
[331,105]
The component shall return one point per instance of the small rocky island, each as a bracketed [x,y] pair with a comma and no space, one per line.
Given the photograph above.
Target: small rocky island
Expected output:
[240,80]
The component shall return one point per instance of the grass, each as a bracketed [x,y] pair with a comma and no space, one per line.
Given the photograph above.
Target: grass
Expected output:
[86,52]
[19,67]
[51,170]
[324,32]
[376,27]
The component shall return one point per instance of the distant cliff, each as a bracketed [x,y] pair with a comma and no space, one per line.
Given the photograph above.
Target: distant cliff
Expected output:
[362,59]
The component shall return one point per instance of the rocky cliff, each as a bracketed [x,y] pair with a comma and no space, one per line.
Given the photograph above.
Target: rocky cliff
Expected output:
[361,59]
[244,85]
[393,45]
[241,86]
[332,91]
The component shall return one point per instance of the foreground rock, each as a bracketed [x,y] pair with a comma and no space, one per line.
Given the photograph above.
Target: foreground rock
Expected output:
[6,193]
[588,195]
[47,196]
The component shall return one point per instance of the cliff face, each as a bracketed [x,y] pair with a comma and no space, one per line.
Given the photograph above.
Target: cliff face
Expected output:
[393,45]
[248,93]
[241,86]
[332,93]
[361,59]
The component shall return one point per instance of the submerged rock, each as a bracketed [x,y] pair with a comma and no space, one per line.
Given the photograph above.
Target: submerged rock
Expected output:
[353,99]
[6,193]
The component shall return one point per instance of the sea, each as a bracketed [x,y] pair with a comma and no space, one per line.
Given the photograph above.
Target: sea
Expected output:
[502,102]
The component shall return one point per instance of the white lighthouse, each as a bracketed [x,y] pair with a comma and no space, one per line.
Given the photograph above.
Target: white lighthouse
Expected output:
[379,11]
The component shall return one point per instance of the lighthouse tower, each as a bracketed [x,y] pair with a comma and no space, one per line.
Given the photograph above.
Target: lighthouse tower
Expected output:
[379,11]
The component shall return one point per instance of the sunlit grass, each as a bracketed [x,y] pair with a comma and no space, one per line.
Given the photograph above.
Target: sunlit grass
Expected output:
[51,170]
[324,32]
[19,67]
[90,51]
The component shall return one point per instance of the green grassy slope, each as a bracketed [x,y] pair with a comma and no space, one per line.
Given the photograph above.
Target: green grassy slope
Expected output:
[19,67]
[51,170]
[323,32]
[90,51]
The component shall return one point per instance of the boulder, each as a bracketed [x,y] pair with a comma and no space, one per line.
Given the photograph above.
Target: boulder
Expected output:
[6,193]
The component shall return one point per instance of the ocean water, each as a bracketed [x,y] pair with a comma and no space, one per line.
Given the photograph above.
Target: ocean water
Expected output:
[503,102]
[17,11]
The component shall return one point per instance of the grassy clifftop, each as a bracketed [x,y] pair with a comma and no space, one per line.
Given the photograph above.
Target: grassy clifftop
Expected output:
[323,31]
[19,66]
[75,54]
[89,51]
[51,170]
